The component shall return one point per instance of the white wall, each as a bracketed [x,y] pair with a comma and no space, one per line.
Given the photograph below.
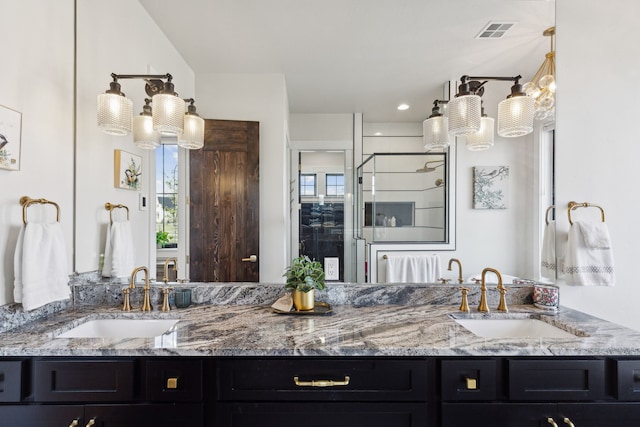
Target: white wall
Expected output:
[597,143]
[134,46]
[37,79]
[261,98]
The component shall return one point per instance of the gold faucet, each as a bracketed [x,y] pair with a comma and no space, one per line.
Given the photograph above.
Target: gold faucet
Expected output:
[457,261]
[502,306]
[146,303]
[165,279]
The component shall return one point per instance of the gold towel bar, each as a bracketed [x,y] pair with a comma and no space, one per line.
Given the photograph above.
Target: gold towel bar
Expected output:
[110,207]
[546,215]
[27,201]
[576,205]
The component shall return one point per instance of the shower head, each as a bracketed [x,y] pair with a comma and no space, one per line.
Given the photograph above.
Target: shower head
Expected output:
[427,168]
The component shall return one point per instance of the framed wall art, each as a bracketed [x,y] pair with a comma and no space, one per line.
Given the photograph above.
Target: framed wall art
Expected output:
[10,138]
[490,187]
[127,170]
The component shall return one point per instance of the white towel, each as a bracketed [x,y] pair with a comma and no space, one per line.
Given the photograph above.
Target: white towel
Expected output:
[118,251]
[548,253]
[413,268]
[40,264]
[589,258]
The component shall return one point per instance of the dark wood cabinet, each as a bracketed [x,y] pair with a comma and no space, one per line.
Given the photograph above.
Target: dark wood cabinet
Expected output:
[353,392]
[538,392]
[319,391]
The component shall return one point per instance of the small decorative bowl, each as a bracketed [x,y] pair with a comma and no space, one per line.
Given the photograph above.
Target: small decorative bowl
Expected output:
[546,297]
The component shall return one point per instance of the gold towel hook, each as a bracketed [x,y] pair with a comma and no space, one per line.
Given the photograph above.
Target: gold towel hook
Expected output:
[27,201]
[576,205]
[110,207]
[546,215]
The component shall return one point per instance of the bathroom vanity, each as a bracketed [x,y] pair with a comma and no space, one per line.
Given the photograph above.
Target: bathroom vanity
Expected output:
[380,365]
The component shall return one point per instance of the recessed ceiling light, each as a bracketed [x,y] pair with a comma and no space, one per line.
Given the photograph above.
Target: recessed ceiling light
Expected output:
[403,107]
[377,134]
[495,30]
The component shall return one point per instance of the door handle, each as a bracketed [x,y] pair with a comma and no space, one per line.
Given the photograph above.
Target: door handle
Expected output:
[252,258]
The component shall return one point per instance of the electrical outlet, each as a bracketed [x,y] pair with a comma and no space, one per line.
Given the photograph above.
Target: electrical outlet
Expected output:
[332,268]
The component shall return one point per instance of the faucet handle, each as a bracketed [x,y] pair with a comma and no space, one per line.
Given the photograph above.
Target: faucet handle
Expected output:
[444,281]
[165,299]
[502,305]
[127,302]
[464,305]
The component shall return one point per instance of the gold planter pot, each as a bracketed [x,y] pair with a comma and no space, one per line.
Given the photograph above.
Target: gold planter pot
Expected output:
[303,301]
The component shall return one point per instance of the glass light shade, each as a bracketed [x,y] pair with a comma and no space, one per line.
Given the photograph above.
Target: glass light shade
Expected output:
[193,136]
[168,114]
[143,134]
[515,116]
[464,114]
[435,133]
[114,113]
[483,139]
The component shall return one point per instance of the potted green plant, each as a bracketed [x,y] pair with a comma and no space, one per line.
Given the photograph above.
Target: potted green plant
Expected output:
[303,277]
[162,238]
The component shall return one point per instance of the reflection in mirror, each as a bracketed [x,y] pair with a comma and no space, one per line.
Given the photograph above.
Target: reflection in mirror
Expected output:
[167,207]
[402,197]
[321,218]
[548,259]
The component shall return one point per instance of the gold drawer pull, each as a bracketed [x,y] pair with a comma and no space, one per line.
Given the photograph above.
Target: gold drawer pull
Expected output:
[74,423]
[472,383]
[568,422]
[321,383]
[172,383]
[550,421]
[91,422]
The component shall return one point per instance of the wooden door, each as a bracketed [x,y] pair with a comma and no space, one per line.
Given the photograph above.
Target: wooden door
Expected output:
[224,202]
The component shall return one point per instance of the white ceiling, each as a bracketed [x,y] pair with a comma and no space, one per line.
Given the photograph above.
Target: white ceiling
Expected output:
[368,56]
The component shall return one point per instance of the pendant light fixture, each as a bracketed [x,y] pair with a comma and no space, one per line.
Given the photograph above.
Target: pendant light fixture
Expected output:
[193,136]
[515,114]
[542,87]
[167,117]
[168,110]
[483,139]
[465,109]
[435,130]
[114,110]
[143,134]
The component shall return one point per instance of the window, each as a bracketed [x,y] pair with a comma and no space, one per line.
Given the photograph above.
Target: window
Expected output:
[167,194]
[335,185]
[308,184]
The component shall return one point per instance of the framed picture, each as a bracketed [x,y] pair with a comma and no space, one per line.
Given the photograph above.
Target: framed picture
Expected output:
[490,187]
[127,170]
[10,138]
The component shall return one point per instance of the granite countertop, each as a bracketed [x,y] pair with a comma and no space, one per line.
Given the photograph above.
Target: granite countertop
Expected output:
[373,330]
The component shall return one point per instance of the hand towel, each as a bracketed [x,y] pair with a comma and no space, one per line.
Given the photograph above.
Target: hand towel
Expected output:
[118,251]
[589,258]
[548,252]
[40,263]
[413,268]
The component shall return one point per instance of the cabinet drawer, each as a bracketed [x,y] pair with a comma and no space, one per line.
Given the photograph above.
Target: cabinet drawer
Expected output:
[628,379]
[11,380]
[468,379]
[547,380]
[322,414]
[83,380]
[174,380]
[354,379]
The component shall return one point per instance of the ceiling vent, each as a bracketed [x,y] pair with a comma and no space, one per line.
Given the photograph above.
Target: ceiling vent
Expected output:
[495,30]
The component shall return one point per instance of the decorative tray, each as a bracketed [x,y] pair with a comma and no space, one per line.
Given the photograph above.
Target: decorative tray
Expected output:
[320,308]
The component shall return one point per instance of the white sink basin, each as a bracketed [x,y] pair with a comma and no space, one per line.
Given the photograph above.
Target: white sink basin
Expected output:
[120,328]
[513,328]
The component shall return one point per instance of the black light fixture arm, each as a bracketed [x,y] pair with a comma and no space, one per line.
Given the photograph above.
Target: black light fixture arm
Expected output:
[472,85]
[155,83]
